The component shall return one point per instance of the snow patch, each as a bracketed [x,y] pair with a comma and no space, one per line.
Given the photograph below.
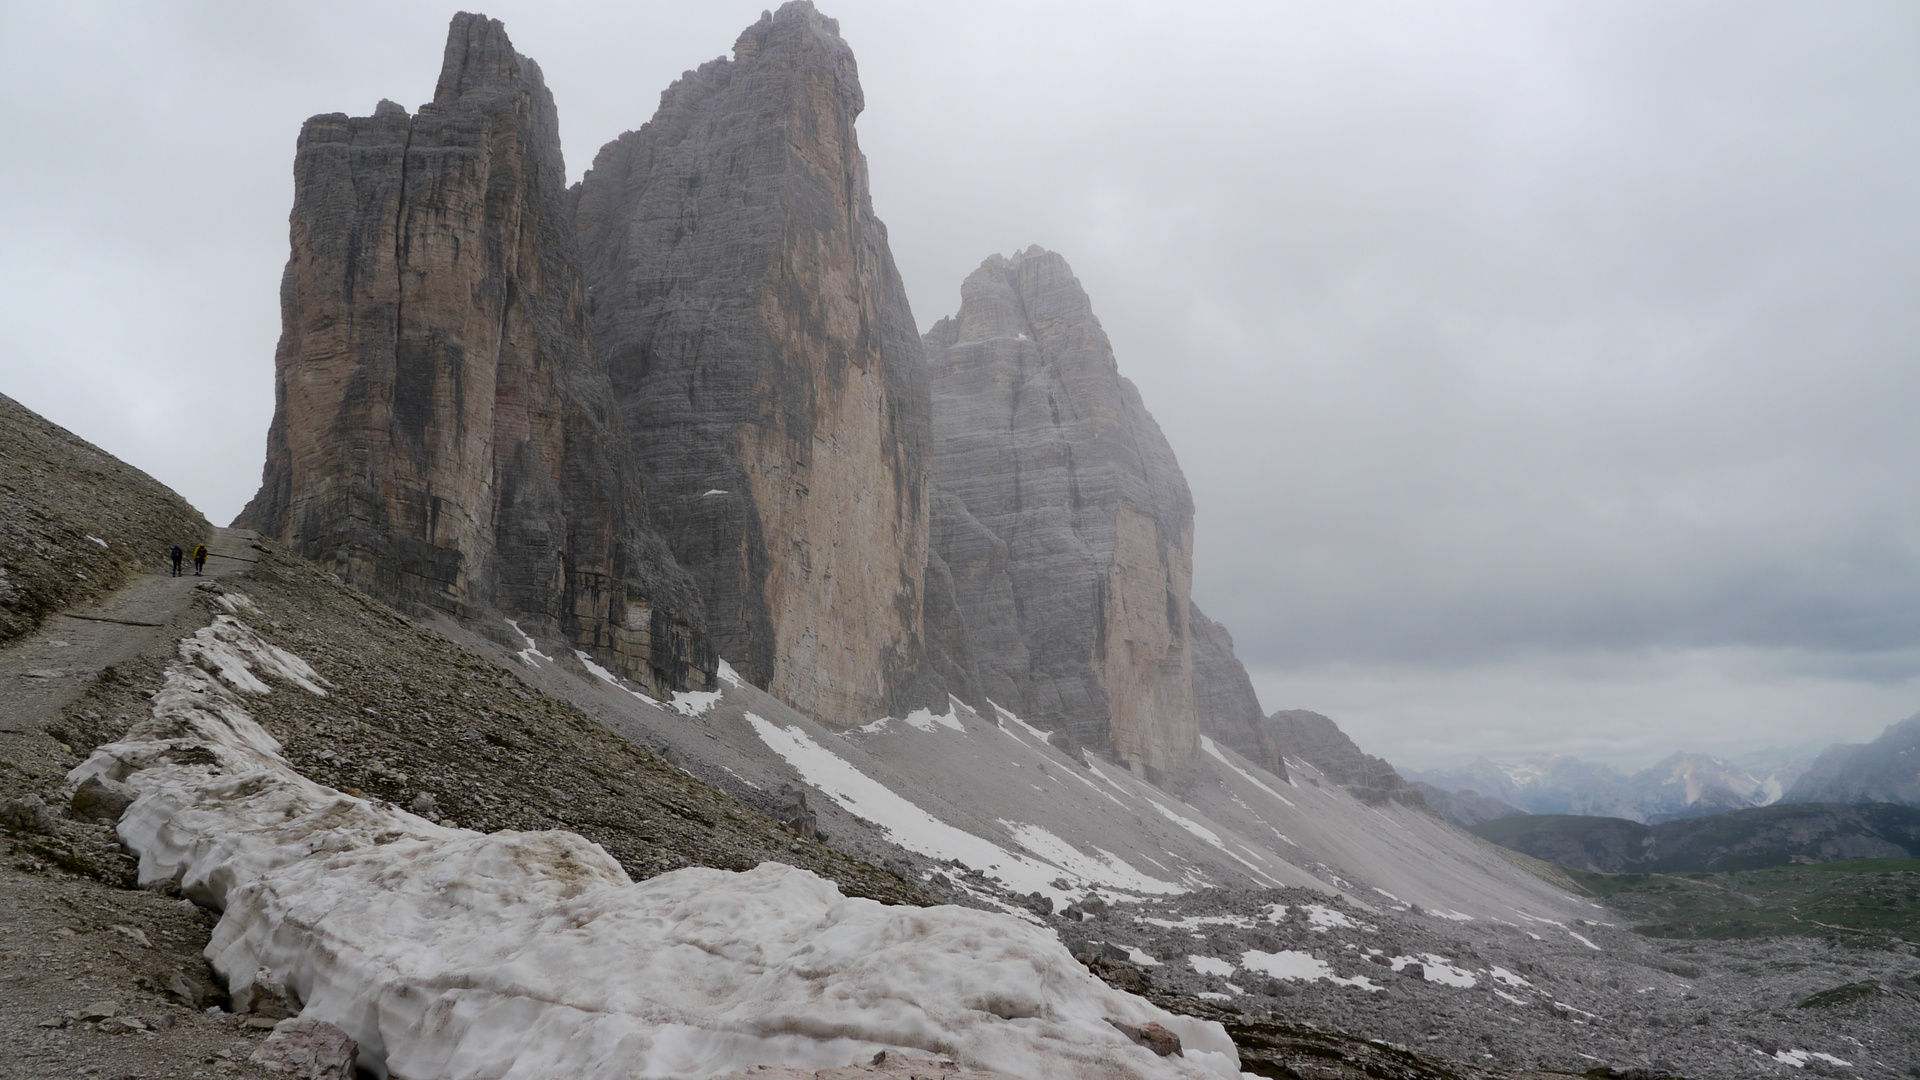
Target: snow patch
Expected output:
[1584,941]
[532,650]
[446,952]
[1438,969]
[1144,960]
[1214,752]
[96,540]
[1799,1058]
[693,702]
[1501,974]
[231,648]
[902,821]
[1300,967]
[730,677]
[1207,965]
[1104,868]
[925,720]
[1323,919]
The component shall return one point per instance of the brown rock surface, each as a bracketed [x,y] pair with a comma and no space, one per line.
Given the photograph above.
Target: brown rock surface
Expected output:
[768,368]
[1062,516]
[441,432]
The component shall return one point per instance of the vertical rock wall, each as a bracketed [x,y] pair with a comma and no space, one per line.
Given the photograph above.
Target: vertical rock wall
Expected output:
[441,433]
[1223,697]
[769,370]
[1062,517]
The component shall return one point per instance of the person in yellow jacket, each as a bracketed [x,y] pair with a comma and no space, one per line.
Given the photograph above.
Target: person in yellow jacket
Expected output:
[199,558]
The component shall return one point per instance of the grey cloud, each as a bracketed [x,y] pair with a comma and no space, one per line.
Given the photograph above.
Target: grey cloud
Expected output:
[1491,336]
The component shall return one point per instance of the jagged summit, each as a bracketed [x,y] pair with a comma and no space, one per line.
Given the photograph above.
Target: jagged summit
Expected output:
[480,59]
[767,367]
[1063,516]
[442,433]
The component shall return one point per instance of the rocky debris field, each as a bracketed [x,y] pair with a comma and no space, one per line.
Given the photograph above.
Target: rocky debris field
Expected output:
[75,522]
[105,976]
[1576,998]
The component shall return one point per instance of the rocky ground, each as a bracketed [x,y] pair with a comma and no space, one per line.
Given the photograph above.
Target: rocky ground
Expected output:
[107,977]
[1506,997]
[75,522]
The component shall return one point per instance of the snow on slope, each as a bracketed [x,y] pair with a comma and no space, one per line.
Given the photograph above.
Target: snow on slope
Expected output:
[1036,819]
[1237,825]
[451,953]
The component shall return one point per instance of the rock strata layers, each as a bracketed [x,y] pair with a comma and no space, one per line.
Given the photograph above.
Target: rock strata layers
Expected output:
[442,435]
[1317,740]
[1062,518]
[768,369]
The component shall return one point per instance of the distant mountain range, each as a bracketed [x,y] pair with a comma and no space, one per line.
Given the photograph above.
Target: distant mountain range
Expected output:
[1683,785]
[1749,839]
[1884,770]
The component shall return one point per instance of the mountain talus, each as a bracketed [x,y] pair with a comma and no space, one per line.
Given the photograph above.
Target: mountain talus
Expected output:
[442,434]
[1068,527]
[769,370]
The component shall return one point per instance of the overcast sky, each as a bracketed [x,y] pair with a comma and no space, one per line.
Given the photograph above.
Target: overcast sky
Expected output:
[1545,373]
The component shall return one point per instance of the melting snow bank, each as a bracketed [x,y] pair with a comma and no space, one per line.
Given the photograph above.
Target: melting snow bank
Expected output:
[449,953]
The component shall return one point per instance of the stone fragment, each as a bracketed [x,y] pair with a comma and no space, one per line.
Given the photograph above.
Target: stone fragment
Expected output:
[27,813]
[100,1010]
[425,806]
[100,799]
[308,1050]
[266,997]
[1150,1035]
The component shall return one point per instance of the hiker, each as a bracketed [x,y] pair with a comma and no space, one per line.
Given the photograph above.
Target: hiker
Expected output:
[199,558]
[177,556]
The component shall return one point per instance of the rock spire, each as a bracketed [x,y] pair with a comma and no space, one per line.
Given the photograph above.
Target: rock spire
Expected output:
[1062,517]
[768,369]
[442,434]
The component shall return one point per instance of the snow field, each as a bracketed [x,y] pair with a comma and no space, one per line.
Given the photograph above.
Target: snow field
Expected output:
[449,953]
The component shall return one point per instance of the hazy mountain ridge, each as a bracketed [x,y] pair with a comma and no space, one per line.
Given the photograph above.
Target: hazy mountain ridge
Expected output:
[1679,786]
[1884,770]
[1747,839]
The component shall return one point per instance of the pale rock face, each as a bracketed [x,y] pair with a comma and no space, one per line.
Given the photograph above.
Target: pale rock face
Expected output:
[441,434]
[1062,517]
[768,368]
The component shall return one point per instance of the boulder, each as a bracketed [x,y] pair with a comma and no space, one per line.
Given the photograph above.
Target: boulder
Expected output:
[307,1050]
[100,799]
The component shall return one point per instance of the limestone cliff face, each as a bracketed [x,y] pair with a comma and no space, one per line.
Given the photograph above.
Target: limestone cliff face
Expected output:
[441,434]
[768,368]
[1062,517]
[1314,738]
[1223,697]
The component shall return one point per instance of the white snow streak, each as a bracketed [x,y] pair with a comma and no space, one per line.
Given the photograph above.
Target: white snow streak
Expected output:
[449,953]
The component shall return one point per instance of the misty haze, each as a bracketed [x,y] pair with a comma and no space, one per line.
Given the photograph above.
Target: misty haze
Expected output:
[646,540]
